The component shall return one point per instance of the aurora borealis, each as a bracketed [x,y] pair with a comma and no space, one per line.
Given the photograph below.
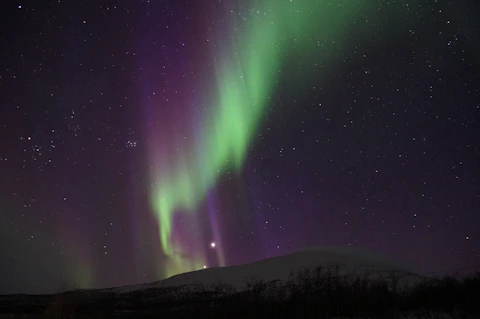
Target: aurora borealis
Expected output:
[142,139]
[244,79]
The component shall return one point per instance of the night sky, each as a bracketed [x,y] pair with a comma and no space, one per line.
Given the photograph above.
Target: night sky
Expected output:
[142,139]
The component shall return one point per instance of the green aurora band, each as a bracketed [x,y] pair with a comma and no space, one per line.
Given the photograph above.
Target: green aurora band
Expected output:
[273,33]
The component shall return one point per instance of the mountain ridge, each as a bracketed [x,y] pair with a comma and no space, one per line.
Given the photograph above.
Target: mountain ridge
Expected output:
[348,261]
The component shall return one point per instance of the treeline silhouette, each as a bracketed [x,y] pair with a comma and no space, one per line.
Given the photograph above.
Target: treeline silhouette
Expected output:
[309,293]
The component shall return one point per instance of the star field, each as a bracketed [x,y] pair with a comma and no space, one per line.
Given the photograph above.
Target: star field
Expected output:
[130,149]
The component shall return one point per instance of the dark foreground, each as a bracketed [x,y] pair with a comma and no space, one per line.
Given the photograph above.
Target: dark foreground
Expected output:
[315,293]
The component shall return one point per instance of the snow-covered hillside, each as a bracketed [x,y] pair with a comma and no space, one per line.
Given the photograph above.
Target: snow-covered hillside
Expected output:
[279,268]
